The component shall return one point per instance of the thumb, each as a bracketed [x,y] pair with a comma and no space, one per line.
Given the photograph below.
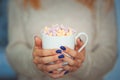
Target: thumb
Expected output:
[38,42]
[78,44]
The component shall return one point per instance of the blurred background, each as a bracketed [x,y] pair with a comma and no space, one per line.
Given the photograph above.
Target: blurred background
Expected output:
[7,73]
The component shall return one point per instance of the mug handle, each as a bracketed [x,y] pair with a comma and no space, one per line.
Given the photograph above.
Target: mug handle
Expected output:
[78,36]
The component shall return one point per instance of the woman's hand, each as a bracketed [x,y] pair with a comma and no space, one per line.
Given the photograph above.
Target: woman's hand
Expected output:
[77,57]
[42,58]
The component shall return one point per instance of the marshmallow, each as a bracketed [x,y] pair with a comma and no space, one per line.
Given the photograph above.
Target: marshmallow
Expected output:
[58,30]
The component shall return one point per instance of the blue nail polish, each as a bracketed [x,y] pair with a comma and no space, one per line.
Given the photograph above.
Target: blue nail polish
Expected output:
[58,51]
[50,72]
[61,56]
[66,72]
[62,47]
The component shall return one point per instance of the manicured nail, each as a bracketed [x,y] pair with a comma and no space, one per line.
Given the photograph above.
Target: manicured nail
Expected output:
[61,56]
[50,72]
[62,47]
[64,63]
[58,51]
[60,69]
[66,72]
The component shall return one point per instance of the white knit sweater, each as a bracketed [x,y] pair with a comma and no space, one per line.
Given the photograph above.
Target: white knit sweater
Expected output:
[25,24]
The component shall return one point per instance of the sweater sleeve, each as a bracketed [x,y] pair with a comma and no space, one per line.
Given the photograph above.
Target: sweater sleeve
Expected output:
[18,52]
[101,59]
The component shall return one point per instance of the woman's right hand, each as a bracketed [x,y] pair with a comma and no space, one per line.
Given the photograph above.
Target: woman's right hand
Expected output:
[42,58]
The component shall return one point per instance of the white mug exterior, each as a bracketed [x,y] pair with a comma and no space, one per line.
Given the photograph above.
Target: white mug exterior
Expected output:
[51,42]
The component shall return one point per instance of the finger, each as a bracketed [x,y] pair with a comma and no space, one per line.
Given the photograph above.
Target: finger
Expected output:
[55,76]
[69,51]
[54,67]
[45,52]
[80,55]
[70,61]
[56,72]
[79,44]
[38,42]
[69,68]
[59,61]
[49,68]
[45,60]
[35,60]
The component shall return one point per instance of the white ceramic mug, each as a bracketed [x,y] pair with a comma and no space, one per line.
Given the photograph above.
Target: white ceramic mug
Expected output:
[50,42]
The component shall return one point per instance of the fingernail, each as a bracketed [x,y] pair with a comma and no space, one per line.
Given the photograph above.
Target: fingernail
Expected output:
[62,47]
[64,63]
[66,72]
[58,51]
[50,72]
[61,56]
[60,69]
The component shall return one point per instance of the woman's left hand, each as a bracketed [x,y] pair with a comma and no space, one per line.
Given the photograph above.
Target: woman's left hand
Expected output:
[77,59]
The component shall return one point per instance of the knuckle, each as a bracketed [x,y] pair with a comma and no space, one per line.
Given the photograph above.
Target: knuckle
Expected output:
[55,58]
[51,67]
[53,51]
[33,54]
[48,60]
[39,67]
[60,65]
[47,68]
[78,63]
[75,63]
[42,68]
[74,53]
[78,57]
[72,63]
[41,60]
[41,53]
[53,77]
[67,49]
[67,68]
[35,61]
[52,59]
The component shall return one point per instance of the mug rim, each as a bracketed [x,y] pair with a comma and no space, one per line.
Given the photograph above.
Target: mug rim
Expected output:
[43,34]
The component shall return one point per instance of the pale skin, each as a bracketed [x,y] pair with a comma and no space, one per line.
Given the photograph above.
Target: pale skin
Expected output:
[41,58]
